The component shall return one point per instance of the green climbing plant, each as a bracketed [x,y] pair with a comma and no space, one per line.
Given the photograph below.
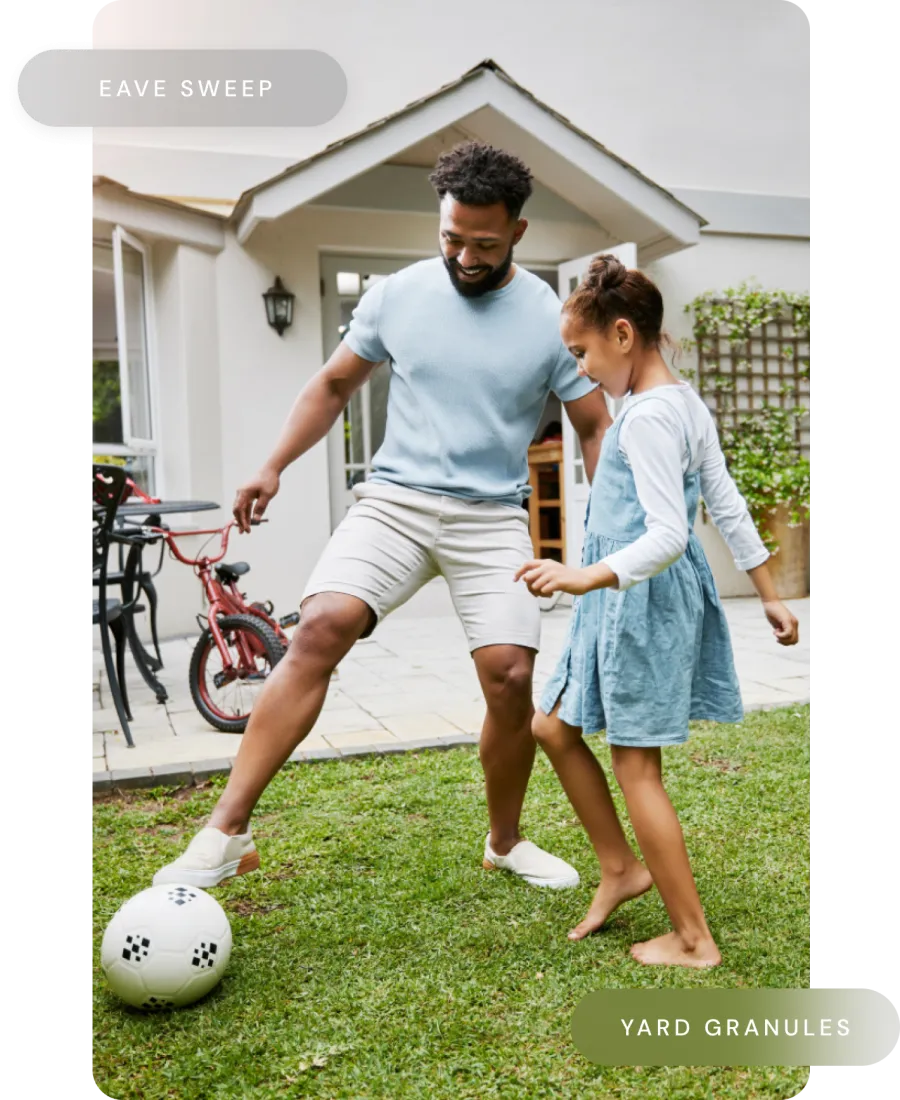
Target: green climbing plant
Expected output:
[760,444]
[107,399]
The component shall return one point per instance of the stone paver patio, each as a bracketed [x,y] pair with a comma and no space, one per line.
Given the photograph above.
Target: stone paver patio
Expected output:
[411,686]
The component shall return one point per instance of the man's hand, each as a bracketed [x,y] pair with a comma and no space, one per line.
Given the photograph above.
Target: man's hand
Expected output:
[787,630]
[545,577]
[253,498]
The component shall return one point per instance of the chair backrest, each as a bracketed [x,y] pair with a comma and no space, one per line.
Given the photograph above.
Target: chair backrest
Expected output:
[109,485]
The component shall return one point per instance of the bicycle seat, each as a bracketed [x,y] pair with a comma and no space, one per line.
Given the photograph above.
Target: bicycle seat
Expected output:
[231,572]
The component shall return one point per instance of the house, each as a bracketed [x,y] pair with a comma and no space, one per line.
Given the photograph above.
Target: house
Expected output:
[206,383]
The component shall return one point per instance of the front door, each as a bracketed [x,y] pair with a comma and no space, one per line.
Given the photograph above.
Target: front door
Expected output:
[575,483]
[359,431]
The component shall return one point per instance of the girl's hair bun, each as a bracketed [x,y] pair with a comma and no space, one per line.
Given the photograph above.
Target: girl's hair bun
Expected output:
[606,273]
[610,291]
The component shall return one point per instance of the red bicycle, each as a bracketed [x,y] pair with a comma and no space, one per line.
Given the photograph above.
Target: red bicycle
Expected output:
[240,643]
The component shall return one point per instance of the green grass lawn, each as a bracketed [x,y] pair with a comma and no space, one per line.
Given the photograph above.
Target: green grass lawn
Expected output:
[373,957]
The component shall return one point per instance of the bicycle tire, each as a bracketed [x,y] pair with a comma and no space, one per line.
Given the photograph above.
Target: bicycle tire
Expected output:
[247,624]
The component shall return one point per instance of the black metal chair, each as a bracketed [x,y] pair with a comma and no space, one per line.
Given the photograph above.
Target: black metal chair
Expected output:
[143,581]
[110,614]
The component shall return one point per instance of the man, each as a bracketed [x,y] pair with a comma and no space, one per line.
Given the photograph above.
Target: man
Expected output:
[474,349]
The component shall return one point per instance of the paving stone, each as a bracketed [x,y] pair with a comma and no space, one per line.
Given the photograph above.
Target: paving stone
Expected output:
[128,778]
[321,754]
[359,750]
[418,726]
[102,782]
[173,775]
[460,739]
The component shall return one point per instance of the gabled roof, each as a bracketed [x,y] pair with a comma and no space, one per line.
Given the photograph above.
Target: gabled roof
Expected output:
[487,103]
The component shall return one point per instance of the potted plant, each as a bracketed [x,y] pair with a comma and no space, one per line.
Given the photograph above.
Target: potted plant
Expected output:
[762,457]
[753,370]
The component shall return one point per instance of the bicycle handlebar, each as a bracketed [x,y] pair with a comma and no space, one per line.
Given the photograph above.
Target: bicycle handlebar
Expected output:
[170,536]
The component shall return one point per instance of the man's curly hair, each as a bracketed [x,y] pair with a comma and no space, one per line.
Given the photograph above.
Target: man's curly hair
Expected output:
[476,174]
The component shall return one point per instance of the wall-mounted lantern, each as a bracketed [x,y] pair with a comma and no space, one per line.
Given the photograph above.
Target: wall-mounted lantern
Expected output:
[279,306]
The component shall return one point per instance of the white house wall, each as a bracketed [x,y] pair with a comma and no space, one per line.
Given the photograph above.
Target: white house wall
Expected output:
[188,410]
[261,375]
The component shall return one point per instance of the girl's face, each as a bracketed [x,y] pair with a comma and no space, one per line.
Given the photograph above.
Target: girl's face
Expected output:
[604,357]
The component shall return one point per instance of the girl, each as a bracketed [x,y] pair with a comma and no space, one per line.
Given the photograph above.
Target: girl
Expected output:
[648,648]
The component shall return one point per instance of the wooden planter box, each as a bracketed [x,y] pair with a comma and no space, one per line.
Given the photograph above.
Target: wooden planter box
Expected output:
[790,566]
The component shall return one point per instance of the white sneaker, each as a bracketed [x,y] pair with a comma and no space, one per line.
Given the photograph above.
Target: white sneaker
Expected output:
[532,864]
[210,857]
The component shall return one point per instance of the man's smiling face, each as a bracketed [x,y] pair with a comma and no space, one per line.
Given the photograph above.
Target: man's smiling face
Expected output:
[477,245]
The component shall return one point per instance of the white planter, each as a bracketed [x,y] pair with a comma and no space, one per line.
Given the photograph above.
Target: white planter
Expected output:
[730,581]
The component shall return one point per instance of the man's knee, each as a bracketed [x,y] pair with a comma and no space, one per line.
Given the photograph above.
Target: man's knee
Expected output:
[329,625]
[506,678]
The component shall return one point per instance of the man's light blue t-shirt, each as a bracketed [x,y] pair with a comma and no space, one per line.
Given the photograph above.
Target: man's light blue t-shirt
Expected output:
[469,379]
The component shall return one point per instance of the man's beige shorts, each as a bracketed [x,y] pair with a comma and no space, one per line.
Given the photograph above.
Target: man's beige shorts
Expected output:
[393,540]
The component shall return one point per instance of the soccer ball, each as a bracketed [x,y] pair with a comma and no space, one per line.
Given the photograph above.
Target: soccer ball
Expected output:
[166,947]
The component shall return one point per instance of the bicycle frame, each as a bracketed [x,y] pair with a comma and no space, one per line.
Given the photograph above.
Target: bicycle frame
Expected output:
[223,597]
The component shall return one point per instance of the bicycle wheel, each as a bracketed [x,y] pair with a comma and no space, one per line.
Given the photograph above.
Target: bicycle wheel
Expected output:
[225,699]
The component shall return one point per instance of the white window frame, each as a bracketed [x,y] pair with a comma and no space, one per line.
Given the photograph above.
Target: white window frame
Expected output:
[133,446]
[122,236]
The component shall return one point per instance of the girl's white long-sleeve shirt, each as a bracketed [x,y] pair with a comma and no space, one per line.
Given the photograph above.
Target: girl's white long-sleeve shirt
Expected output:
[661,441]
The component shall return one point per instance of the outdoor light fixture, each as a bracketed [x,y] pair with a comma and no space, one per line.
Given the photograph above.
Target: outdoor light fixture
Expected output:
[279,306]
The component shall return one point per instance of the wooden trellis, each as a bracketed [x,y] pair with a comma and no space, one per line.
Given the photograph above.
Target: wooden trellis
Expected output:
[739,372]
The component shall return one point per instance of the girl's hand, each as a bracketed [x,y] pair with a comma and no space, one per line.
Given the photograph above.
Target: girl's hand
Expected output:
[787,630]
[545,577]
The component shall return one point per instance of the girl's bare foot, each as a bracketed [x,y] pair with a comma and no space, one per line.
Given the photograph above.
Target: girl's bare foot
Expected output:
[612,891]
[674,950]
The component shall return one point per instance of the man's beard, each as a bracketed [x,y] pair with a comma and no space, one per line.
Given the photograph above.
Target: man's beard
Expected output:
[482,286]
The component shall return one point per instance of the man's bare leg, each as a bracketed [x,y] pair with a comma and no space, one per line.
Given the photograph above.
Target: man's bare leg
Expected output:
[290,702]
[507,747]
[507,757]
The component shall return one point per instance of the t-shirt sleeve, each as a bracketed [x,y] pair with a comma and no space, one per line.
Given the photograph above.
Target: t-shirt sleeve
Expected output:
[565,380]
[363,335]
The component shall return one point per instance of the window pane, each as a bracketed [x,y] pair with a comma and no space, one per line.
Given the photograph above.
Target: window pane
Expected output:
[348,283]
[140,468]
[353,430]
[107,402]
[107,398]
[136,332]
